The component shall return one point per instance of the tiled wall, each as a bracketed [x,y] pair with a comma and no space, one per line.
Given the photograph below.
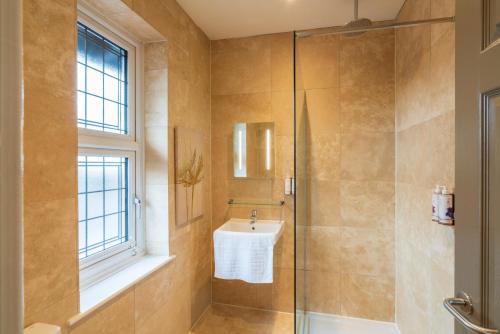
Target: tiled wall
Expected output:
[425,104]
[156,146]
[174,297]
[49,149]
[349,85]
[347,120]
[252,81]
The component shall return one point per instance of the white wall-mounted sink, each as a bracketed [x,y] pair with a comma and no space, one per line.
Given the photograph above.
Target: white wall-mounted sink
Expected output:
[243,226]
[245,251]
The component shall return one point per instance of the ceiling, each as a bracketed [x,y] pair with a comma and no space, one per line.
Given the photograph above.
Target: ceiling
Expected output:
[221,19]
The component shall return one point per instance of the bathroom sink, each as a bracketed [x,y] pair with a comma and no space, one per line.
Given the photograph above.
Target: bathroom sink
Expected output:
[234,225]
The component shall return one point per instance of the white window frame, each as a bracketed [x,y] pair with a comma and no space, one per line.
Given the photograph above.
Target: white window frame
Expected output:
[98,143]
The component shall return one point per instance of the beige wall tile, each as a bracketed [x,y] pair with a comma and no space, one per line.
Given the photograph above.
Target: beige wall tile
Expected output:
[367,297]
[413,76]
[430,162]
[152,293]
[201,294]
[49,162]
[442,8]
[415,10]
[245,44]
[39,53]
[317,62]
[413,217]
[367,251]
[367,82]
[230,109]
[367,112]
[441,287]
[367,61]
[443,68]
[49,274]
[367,204]
[323,291]
[116,317]
[325,203]
[172,317]
[284,252]
[156,155]
[57,313]
[241,72]
[234,292]
[323,111]
[284,153]
[411,319]
[323,252]
[250,189]
[155,56]
[322,157]
[367,157]
[282,62]
[282,112]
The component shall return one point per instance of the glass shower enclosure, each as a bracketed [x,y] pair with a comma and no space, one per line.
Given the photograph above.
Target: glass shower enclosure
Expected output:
[345,180]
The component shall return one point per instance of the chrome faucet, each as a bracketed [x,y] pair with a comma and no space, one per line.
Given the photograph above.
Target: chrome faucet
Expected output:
[253,217]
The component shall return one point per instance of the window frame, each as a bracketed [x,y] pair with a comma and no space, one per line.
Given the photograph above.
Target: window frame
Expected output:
[100,143]
[132,67]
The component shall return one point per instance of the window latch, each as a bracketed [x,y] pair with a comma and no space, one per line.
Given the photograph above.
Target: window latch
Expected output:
[138,207]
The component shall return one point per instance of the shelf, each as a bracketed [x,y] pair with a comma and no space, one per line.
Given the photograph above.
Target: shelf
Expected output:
[255,203]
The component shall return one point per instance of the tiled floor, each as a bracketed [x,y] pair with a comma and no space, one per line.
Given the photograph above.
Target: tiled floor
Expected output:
[223,319]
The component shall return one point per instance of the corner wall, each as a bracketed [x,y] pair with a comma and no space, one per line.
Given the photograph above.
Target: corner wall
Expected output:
[49,161]
[252,81]
[425,111]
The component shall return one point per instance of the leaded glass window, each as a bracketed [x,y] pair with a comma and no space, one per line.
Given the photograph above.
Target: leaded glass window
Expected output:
[102,83]
[109,152]
[103,203]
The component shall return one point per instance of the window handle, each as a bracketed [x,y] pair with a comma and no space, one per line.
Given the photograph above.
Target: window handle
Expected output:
[138,207]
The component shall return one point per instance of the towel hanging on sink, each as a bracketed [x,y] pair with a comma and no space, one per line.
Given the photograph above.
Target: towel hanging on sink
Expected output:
[245,257]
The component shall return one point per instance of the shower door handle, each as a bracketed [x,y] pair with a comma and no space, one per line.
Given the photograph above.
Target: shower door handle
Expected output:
[464,301]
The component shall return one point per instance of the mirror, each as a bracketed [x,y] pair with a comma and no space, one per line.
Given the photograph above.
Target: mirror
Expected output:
[253,150]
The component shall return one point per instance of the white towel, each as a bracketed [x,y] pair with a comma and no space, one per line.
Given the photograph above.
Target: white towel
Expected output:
[244,256]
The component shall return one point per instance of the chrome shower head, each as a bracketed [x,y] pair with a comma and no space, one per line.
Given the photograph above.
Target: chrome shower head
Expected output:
[357,22]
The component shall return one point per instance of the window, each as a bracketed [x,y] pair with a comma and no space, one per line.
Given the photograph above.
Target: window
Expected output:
[109,152]
[102,83]
[103,194]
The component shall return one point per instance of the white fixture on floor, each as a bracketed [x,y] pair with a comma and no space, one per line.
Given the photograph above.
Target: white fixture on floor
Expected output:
[318,323]
[40,328]
[244,248]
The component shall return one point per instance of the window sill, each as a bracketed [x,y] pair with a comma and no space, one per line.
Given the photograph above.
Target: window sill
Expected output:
[95,296]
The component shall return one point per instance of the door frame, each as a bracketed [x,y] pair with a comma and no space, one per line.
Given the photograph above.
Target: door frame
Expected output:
[471,156]
[11,269]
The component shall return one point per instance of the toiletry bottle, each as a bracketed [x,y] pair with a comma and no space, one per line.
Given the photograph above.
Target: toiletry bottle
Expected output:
[435,203]
[446,210]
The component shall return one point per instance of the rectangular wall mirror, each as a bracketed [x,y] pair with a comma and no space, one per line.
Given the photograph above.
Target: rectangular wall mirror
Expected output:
[253,150]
